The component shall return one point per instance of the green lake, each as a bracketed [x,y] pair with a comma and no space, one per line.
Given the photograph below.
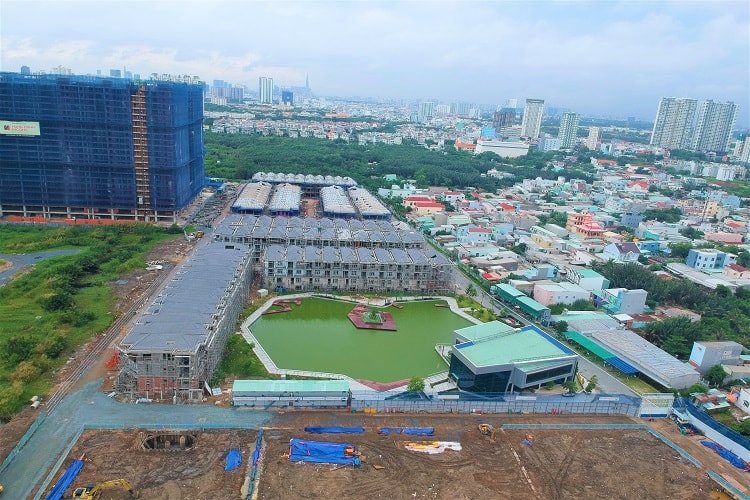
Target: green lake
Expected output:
[318,336]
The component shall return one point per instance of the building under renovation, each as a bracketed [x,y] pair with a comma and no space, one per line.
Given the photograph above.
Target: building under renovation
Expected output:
[178,341]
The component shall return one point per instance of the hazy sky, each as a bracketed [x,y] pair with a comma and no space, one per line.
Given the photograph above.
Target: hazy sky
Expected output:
[597,58]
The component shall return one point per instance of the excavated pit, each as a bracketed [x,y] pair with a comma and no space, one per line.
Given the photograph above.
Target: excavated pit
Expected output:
[169,441]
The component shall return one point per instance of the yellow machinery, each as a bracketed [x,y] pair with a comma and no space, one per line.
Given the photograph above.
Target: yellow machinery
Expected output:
[91,491]
[488,430]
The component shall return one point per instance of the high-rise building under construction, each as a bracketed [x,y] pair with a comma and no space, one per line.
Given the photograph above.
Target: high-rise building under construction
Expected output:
[84,147]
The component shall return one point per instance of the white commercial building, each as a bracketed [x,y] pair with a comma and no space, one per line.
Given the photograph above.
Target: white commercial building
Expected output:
[502,149]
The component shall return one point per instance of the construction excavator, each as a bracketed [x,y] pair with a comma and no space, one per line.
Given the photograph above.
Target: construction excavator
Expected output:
[488,430]
[91,491]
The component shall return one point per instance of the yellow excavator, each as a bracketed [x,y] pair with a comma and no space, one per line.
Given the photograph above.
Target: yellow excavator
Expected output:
[93,491]
[488,430]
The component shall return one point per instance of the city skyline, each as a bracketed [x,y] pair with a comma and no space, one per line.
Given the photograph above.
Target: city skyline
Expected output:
[594,58]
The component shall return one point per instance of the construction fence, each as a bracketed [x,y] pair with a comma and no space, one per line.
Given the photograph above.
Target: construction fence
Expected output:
[616,404]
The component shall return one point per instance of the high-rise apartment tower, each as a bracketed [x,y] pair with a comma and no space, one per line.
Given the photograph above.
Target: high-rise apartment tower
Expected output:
[531,123]
[568,133]
[265,90]
[715,125]
[594,138]
[85,147]
[673,127]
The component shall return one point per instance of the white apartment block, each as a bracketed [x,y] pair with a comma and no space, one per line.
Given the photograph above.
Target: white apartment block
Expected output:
[715,125]
[673,124]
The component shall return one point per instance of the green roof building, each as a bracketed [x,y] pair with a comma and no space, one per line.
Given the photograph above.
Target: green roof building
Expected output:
[493,357]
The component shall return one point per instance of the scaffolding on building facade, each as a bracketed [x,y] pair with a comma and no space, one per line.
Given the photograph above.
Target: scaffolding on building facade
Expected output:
[104,148]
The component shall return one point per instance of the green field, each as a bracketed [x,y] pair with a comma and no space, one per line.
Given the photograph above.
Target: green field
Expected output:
[318,336]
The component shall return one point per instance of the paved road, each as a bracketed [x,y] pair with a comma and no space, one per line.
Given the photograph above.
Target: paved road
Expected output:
[89,406]
[22,261]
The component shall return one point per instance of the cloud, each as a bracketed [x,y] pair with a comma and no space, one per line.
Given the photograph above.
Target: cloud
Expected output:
[590,56]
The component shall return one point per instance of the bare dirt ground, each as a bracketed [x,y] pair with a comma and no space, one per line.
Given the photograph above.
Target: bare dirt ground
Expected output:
[197,473]
[561,464]
[623,464]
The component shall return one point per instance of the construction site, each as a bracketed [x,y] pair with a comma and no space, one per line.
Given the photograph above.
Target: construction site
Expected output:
[583,457]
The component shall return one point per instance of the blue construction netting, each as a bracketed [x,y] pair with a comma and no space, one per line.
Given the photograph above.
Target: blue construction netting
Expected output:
[411,431]
[320,452]
[84,155]
[58,490]
[621,365]
[334,430]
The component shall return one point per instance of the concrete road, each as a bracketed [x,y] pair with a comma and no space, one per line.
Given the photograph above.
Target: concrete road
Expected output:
[89,406]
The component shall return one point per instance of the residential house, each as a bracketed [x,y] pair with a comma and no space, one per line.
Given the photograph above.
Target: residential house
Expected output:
[708,354]
[583,225]
[709,259]
[737,272]
[725,238]
[559,293]
[622,300]
[621,252]
[588,279]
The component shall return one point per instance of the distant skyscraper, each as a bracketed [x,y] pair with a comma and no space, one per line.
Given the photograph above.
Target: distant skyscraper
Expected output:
[25,70]
[673,125]
[532,118]
[511,103]
[115,73]
[287,97]
[265,90]
[461,108]
[594,138]
[426,109]
[715,125]
[568,133]
[505,117]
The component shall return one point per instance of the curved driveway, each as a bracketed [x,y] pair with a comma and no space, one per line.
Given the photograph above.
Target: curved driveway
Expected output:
[23,261]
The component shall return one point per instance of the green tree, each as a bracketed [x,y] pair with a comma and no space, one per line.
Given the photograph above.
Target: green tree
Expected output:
[715,375]
[17,349]
[520,249]
[561,327]
[415,384]
[571,385]
[691,232]
[591,385]
[471,290]
[680,250]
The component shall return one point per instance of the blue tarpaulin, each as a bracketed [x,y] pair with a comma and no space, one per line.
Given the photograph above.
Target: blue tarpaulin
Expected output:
[411,431]
[726,454]
[70,475]
[234,459]
[334,430]
[301,450]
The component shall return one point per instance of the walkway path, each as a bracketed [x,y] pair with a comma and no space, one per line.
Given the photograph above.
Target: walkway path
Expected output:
[89,406]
